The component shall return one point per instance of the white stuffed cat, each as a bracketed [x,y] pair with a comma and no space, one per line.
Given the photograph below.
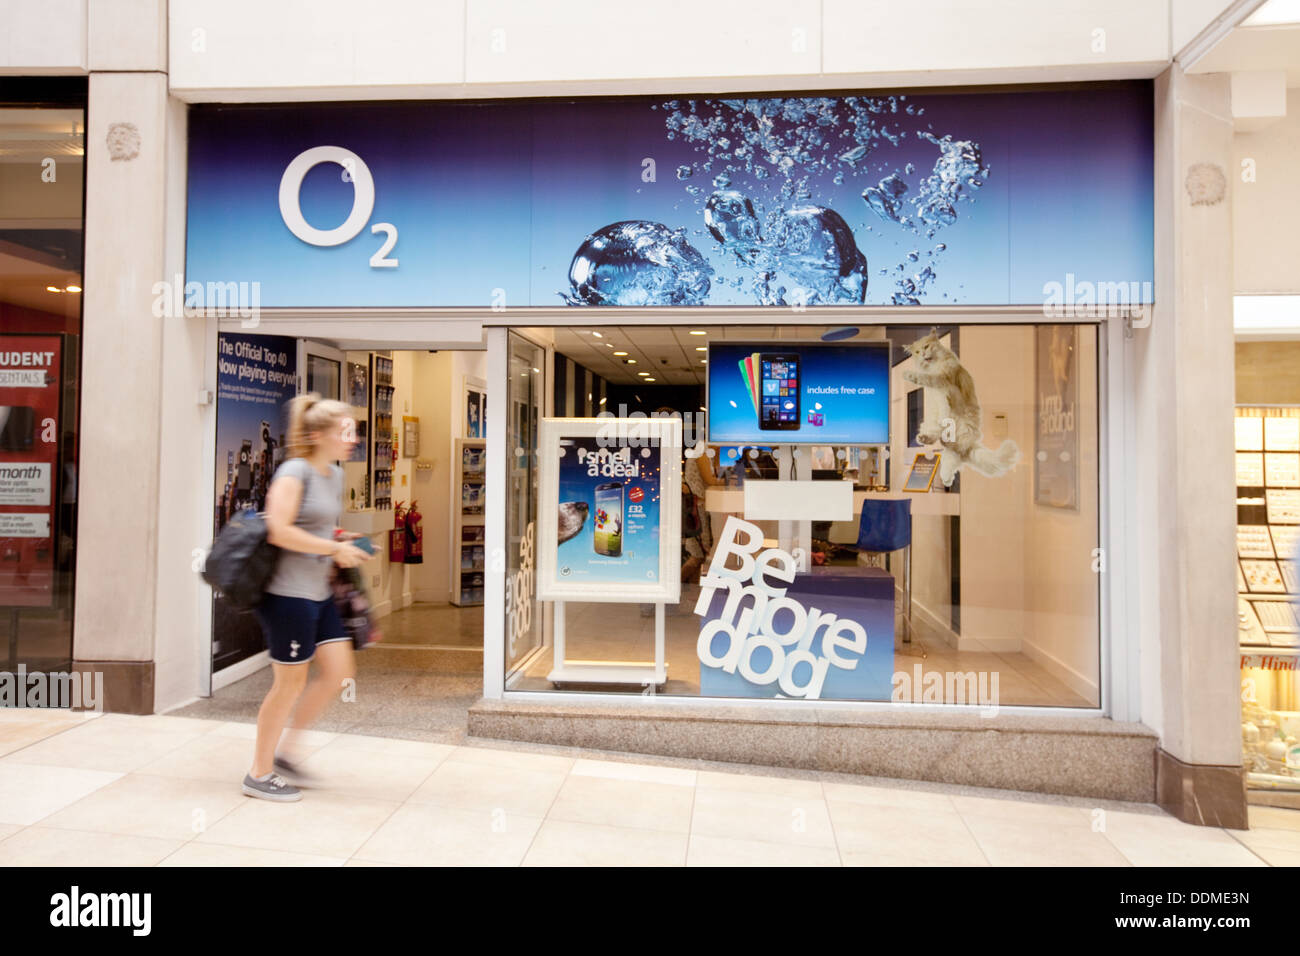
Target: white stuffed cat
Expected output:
[952,413]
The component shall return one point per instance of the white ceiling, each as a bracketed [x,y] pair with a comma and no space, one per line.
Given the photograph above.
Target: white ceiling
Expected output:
[671,354]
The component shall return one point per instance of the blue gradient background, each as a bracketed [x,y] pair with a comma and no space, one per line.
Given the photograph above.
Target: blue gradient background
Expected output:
[499,195]
[852,419]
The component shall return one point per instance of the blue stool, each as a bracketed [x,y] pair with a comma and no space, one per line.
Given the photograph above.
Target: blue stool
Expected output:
[886,526]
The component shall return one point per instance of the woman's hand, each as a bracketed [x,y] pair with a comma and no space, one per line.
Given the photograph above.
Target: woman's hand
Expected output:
[349,555]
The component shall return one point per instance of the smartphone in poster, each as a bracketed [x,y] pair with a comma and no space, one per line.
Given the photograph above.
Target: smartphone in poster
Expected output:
[608,513]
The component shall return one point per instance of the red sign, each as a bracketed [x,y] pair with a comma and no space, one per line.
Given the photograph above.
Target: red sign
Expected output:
[30,480]
[635,494]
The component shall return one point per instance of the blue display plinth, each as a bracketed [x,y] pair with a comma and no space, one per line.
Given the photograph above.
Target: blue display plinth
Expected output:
[862,595]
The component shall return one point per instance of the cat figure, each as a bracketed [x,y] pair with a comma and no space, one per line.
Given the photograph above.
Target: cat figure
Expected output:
[952,416]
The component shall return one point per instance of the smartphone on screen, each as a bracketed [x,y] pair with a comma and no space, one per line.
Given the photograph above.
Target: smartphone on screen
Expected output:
[608,529]
[778,391]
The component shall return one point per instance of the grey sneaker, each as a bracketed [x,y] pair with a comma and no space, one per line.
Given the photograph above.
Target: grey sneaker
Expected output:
[274,787]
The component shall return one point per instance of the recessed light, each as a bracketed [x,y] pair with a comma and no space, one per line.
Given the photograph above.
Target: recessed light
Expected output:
[704,361]
[597,335]
[52,288]
[620,353]
[72,288]
[649,380]
[602,401]
[608,345]
[537,370]
[643,373]
[631,361]
[701,348]
[698,332]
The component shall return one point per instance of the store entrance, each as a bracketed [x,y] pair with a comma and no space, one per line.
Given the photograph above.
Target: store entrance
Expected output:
[414,489]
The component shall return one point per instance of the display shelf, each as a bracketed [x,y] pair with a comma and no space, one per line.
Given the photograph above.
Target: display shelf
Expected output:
[469,562]
[381,432]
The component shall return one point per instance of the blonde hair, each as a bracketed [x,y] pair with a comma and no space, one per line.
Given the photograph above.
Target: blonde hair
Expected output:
[311,413]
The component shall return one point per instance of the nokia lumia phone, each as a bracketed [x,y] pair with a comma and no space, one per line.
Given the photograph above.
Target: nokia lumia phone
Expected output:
[778,391]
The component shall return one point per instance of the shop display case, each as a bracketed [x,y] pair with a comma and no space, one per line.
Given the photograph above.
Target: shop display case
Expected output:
[1268,528]
[469,564]
[381,433]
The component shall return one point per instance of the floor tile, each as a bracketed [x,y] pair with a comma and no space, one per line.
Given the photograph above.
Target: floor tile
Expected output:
[1021,811]
[1275,857]
[624,803]
[319,824]
[1162,840]
[933,835]
[646,773]
[109,744]
[563,843]
[767,817]
[725,851]
[754,783]
[212,854]
[488,787]
[1257,837]
[496,757]
[887,796]
[1042,842]
[873,858]
[42,846]
[15,735]
[365,773]
[390,746]
[172,808]
[449,836]
[30,792]
[8,829]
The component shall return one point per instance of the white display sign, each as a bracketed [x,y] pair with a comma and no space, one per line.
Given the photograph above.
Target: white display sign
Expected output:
[25,525]
[22,378]
[25,483]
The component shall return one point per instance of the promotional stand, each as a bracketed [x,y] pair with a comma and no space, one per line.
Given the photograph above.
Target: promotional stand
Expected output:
[609,530]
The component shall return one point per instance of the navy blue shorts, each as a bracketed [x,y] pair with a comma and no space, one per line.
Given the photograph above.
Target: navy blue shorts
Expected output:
[294,627]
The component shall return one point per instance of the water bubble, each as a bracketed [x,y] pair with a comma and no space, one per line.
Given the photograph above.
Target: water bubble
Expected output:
[885,197]
[855,154]
[722,180]
[638,263]
[684,172]
[909,168]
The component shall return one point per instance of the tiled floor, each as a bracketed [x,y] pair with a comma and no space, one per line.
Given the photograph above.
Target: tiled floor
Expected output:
[164,790]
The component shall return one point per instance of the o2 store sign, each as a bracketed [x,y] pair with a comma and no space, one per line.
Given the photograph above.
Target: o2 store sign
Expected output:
[356,172]
[777,644]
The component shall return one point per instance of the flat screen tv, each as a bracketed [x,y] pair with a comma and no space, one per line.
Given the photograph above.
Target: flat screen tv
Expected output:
[806,393]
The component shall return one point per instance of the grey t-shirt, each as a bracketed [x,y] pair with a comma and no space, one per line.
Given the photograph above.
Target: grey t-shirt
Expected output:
[299,574]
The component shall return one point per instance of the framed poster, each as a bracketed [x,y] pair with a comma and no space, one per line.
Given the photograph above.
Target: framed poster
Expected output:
[609,522]
[922,474]
[410,436]
[358,386]
[475,413]
[1056,401]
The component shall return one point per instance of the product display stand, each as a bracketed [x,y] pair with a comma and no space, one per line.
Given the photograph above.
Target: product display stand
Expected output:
[468,559]
[642,673]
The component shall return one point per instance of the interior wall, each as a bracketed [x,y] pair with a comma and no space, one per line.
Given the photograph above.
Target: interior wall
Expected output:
[1062,593]
[994,568]
[1266,206]
[1268,373]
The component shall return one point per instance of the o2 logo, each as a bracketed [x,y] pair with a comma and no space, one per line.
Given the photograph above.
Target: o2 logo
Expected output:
[363,203]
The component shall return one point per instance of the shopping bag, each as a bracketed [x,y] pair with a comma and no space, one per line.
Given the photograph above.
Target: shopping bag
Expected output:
[353,603]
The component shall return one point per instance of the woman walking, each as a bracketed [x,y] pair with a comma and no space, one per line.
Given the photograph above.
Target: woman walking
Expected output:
[297,613]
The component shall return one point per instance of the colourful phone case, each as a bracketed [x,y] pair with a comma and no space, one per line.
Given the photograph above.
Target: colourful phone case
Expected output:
[749,380]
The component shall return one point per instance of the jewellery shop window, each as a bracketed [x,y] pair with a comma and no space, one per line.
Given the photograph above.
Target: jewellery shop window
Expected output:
[896,514]
[1268,533]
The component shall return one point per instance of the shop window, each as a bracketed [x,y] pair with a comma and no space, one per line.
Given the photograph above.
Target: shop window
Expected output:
[41,209]
[958,570]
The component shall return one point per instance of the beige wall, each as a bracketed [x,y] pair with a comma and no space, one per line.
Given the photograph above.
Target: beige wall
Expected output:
[1268,373]
[1063,623]
[1265,213]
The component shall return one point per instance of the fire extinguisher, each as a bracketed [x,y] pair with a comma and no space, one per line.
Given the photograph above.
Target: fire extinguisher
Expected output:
[397,537]
[414,536]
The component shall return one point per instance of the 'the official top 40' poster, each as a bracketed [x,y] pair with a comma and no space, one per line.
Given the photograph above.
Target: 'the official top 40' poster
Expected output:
[609,501]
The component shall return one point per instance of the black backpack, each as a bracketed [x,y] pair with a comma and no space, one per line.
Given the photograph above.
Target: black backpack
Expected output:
[242,561]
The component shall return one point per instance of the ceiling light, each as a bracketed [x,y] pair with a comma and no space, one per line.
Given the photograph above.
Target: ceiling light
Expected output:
[602,401]
[537,370]
[649,380]
[704,361]
[608,345]
[701,348]
[597,335]
[1274,13]
[698,332]
[620,353]
[643,373]
[52,288]
[631,361]
[72,288]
